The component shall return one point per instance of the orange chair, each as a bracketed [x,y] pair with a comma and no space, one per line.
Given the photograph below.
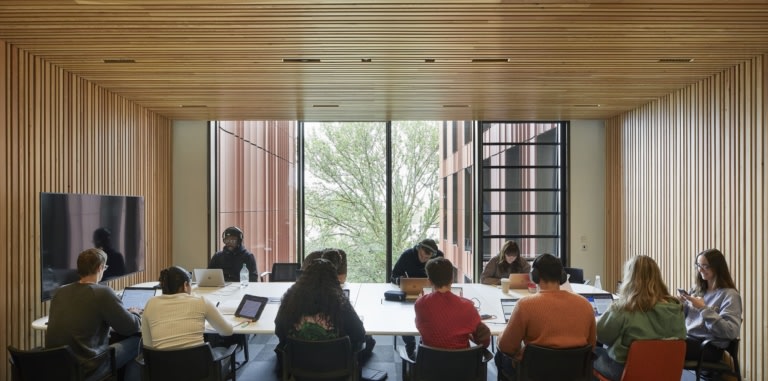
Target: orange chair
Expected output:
[652,360]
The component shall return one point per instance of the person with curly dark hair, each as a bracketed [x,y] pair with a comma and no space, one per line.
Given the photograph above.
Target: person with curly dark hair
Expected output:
[315,308]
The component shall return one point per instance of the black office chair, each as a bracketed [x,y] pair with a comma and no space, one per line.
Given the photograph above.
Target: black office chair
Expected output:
[55,364]
[576,274]
[282,272]
[327,360]
[436,364]
[550,364]
[189,364]
[719,367]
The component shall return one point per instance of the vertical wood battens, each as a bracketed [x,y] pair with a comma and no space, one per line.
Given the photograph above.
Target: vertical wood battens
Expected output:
[64,134]
[693,177]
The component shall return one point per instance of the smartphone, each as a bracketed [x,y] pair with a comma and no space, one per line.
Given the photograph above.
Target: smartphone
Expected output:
[682,292]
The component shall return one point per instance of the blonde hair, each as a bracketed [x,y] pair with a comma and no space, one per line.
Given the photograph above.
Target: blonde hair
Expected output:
[642,286]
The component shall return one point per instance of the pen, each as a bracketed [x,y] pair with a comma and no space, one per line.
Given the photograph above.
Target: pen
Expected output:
[217,304]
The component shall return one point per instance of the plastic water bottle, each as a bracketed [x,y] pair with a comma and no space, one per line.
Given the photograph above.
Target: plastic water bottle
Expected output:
[598,285]
[244,278]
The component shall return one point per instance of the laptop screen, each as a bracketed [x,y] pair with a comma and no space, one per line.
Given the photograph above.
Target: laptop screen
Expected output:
[507,305]
[600,302]
[136,297]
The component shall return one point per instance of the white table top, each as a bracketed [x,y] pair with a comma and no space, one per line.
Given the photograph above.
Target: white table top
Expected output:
[379,316]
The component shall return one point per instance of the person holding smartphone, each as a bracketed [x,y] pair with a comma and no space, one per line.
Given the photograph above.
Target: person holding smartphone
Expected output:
[713,307]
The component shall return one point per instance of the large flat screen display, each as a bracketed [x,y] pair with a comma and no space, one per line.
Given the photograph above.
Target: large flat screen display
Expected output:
[71,223]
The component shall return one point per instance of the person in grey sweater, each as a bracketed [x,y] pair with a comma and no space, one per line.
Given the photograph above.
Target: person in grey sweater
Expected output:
[645,310]
[712,308]
[82,313]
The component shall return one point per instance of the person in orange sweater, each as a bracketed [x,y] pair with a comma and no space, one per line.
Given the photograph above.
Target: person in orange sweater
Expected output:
[551,318]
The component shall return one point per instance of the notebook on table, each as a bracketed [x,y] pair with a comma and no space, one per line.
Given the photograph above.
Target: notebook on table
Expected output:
[137,297]
[507,305]
[519,281]
[209,277]
[600,302]
[413,287]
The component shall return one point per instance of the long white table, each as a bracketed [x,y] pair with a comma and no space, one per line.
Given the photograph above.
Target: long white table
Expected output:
[380,317]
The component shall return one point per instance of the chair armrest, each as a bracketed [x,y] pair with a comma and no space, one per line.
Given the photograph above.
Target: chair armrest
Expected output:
[404,355]
[229,352]
[265,276]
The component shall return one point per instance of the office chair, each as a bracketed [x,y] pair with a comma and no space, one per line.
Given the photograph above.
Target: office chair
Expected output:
[436,364]
[189,364]
[720,367]
[550,364]
[282,272]
[576,274]
[54,364]
[652,360]
[326,360]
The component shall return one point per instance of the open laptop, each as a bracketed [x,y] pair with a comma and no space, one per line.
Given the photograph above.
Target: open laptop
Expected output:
[412,287]
[209,277]
[137,297]
[507,305]
[519,281]
[600,302]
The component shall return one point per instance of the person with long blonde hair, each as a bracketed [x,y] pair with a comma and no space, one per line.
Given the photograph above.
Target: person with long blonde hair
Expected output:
[645,310]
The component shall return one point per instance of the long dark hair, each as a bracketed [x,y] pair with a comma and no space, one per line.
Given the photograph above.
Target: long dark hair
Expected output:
[517,265]
[172,279]
[316,292]
[719,267]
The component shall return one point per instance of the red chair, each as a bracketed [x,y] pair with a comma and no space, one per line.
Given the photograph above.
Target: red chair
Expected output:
[652,360]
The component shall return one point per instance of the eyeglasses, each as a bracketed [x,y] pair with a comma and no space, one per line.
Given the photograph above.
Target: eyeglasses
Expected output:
[701,266]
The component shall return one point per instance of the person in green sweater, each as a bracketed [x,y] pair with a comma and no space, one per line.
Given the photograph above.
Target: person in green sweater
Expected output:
[645,310]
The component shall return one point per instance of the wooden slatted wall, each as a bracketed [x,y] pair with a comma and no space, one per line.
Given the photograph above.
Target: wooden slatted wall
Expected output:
[686,173]
[63,134]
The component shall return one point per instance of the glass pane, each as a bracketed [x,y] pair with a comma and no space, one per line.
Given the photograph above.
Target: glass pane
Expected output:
[523,201]
[345,188]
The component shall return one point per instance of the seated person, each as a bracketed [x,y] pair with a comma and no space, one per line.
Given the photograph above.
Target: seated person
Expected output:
[176,319]
[232,257]
[508,261]
[411,265]
[82,313]
[464,324]
[552,318]
[315,308]
[644,311]
[712,308]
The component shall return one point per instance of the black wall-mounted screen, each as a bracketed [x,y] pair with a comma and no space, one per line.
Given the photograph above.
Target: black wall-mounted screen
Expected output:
[71,223]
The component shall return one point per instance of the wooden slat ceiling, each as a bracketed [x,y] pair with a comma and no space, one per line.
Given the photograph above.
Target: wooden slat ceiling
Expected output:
[388,60]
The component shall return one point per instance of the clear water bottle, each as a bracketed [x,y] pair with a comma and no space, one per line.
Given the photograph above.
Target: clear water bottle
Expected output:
[598,285]
[244,278]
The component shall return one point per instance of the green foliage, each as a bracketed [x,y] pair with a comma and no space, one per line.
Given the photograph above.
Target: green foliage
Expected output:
[345,190]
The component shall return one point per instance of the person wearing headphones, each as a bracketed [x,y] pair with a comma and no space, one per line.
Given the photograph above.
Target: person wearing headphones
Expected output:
[232,257]
[539,319]
[411,264]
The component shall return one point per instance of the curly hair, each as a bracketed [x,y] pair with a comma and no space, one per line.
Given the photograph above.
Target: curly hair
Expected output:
[316,293]
[642,286]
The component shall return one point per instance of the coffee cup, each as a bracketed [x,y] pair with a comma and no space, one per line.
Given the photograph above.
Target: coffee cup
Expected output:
[505,285]
[533,287]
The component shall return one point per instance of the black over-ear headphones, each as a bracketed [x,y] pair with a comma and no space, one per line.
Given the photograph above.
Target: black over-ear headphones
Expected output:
[233,230]
[536,276]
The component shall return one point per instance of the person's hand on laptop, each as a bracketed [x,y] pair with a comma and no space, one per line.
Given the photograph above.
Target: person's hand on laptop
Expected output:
[135,310]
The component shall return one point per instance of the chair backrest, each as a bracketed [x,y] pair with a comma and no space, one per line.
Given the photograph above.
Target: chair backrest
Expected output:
[320,360]
[191,364]
[551,364]
[654,360]
[283,272]
[436,364]
[44,364]
[576,274]
[733,350]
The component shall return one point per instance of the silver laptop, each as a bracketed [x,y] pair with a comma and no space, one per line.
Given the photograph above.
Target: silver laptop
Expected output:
[137,297]
[507,305]
[600,302]
[209,277]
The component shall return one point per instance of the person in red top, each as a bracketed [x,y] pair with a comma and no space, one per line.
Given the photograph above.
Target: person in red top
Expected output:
[551,318]
[432,309]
